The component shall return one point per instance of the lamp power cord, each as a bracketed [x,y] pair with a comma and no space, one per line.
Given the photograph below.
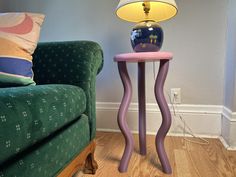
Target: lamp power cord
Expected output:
[186,129]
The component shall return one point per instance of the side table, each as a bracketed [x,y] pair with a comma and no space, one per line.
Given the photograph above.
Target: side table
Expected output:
[140,58]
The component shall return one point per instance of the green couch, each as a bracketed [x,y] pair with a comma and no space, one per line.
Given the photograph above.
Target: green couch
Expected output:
[46,129]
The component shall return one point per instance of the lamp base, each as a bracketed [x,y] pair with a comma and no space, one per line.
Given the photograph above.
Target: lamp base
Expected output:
[147,36]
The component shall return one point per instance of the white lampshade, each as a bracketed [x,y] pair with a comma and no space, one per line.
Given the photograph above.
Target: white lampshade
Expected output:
[133,11]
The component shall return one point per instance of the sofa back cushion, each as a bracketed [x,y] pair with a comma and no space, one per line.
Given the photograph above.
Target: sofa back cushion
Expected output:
[19,35]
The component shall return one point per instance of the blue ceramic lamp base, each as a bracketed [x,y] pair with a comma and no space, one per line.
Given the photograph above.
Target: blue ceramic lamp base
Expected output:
[147,36]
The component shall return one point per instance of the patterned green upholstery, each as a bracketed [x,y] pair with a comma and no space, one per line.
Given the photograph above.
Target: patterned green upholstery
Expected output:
[29,114]
[48,157]
[43,127]
[75,63]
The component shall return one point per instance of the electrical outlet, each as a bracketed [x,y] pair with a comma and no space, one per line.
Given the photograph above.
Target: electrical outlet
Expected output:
[176,95]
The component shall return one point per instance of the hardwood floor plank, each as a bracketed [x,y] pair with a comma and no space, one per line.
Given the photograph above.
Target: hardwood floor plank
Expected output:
[182,163]
[187,159]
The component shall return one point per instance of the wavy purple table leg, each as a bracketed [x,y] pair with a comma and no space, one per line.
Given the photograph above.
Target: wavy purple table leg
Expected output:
[121,118]
[166,116]
[142,108]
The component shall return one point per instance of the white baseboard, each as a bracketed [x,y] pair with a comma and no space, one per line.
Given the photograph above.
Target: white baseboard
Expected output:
[202,119]
[228,114]
[228,128]
[226,145]
[208,121]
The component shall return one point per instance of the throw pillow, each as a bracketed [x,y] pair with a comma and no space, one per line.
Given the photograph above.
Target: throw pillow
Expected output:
[19,35]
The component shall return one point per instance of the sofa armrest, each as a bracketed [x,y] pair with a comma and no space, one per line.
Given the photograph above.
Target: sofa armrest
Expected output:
[73,62]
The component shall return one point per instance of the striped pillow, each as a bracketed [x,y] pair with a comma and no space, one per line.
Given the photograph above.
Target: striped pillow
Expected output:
[19,35]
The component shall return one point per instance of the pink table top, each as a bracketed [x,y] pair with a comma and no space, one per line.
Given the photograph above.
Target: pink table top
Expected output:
[143,56]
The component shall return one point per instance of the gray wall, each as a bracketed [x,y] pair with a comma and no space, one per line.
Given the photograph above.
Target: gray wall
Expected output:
[196,36]
[230,66]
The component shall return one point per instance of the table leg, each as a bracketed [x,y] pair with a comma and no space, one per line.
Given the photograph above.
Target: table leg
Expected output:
[166,116]
[142,108]
[121,118]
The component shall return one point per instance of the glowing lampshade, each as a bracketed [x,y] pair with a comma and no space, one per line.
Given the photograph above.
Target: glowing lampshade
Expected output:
[160,10]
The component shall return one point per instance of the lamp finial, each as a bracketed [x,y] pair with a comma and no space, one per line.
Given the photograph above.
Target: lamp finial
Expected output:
[146,7]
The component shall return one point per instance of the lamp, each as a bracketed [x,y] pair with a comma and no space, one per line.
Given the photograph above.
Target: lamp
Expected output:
[147,35]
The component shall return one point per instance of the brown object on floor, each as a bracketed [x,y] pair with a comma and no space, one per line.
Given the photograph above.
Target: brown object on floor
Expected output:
[84,161]
[187,159]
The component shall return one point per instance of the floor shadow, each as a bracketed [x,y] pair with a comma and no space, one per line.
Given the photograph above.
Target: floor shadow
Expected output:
[155,162]
[113,159]
[136,150]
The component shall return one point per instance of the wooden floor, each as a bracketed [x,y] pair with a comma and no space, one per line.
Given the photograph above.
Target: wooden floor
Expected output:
[187,159]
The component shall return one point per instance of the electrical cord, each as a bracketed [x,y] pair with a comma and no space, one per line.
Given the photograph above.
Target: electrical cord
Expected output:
[202,141]
[186,128]
[154,69]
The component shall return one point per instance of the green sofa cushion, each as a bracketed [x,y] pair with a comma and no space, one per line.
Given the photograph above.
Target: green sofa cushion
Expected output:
[53,154]
[29,114]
